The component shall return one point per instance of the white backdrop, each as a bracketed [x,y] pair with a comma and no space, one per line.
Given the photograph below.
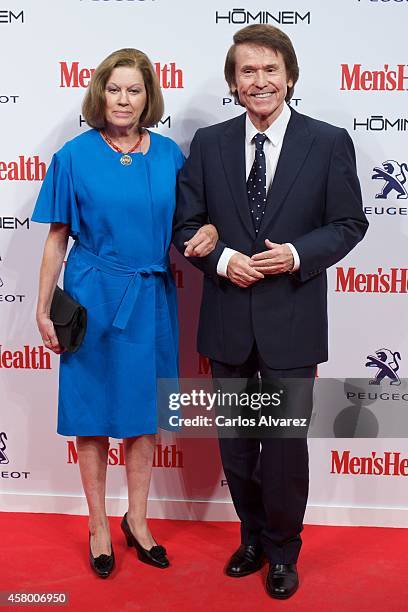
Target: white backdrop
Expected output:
[353,73]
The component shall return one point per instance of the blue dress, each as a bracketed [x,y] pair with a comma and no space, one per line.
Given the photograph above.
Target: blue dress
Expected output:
[121,220]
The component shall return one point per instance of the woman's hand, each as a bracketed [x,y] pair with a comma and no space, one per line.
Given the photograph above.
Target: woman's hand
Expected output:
[202,243]
[48,335]
[53,258]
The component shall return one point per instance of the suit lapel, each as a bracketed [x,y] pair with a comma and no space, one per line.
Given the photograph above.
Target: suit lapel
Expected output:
[295,148]
[232,144]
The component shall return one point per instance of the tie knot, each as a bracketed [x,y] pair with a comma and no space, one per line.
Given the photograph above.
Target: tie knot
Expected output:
[259,140]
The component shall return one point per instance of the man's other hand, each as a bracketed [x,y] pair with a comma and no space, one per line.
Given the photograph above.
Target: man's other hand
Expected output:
[276,260]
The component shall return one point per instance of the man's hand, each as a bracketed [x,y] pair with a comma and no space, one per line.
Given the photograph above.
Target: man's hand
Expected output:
[202,243]
[276,260]
[241,272]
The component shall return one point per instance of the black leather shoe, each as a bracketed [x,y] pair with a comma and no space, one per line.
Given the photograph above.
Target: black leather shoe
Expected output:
[282,580]
[246,560]
[156,556]
[102,565]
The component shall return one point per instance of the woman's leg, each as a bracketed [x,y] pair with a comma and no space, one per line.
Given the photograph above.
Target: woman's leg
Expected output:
[92,457]
[139,459]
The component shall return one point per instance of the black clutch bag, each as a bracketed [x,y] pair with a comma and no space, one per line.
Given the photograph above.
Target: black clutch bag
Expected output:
[69,320]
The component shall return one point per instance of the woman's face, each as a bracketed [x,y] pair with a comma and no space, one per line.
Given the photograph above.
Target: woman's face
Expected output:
[126,97]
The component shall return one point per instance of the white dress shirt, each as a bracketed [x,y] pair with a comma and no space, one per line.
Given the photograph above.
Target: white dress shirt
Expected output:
[272,148]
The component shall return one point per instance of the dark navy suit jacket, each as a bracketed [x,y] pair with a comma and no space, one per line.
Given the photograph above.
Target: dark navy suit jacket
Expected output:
[314,202]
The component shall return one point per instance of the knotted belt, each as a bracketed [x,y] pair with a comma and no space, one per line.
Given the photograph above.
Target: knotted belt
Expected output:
[135,275]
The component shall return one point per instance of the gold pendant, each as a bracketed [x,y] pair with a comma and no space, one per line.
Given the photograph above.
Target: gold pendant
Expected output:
[125,160]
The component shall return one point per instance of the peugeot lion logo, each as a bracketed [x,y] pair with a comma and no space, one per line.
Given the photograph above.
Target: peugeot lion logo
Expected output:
[394,175]
[387,363]
[3,457]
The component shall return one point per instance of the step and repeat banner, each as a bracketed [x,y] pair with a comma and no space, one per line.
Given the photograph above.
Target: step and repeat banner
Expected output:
[353,73]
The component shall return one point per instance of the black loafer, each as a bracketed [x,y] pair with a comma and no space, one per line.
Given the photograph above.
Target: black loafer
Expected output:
[282,580]
[246,560]
[156,556]
[103,564]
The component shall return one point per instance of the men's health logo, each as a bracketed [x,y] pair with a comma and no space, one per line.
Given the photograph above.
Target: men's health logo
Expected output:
[30,358]
[73,75]
[164,456]
[387,464]
[394,176]
[350,280]
[3,457]
[25,168]
[387,364]
[388,77]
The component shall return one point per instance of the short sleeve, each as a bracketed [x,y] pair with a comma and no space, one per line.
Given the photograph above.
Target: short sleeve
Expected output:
[56,202]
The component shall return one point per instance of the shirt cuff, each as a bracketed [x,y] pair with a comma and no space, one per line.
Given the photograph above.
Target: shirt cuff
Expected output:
[222,265]
[296,258]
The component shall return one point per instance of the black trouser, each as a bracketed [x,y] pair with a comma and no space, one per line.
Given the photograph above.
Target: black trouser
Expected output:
[268,479]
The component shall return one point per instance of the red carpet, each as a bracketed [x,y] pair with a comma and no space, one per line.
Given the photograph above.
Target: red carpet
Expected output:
[341,568]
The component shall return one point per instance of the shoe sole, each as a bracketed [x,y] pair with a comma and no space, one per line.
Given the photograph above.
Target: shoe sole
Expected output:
[274,596]
[103,576]
[243,574]
[147,562]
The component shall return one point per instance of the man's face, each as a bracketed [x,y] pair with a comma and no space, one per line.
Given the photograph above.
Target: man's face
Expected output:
[261,82]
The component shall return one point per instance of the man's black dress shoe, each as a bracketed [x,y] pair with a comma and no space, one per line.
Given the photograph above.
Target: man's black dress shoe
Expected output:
[103,564]
[156,556]
[246,560]
[282,580]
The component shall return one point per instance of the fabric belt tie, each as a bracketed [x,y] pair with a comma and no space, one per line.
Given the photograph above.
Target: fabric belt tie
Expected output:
[135,275]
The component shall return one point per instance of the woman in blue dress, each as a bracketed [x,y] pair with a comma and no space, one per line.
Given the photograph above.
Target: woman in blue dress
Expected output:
[113,190]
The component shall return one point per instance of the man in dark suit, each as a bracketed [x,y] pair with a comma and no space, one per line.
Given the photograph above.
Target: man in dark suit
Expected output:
[282,190]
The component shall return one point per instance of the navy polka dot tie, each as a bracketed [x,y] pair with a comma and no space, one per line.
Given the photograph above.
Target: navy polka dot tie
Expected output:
[256,184]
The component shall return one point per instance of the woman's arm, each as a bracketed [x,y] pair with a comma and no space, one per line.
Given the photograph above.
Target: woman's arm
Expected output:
[54,252]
